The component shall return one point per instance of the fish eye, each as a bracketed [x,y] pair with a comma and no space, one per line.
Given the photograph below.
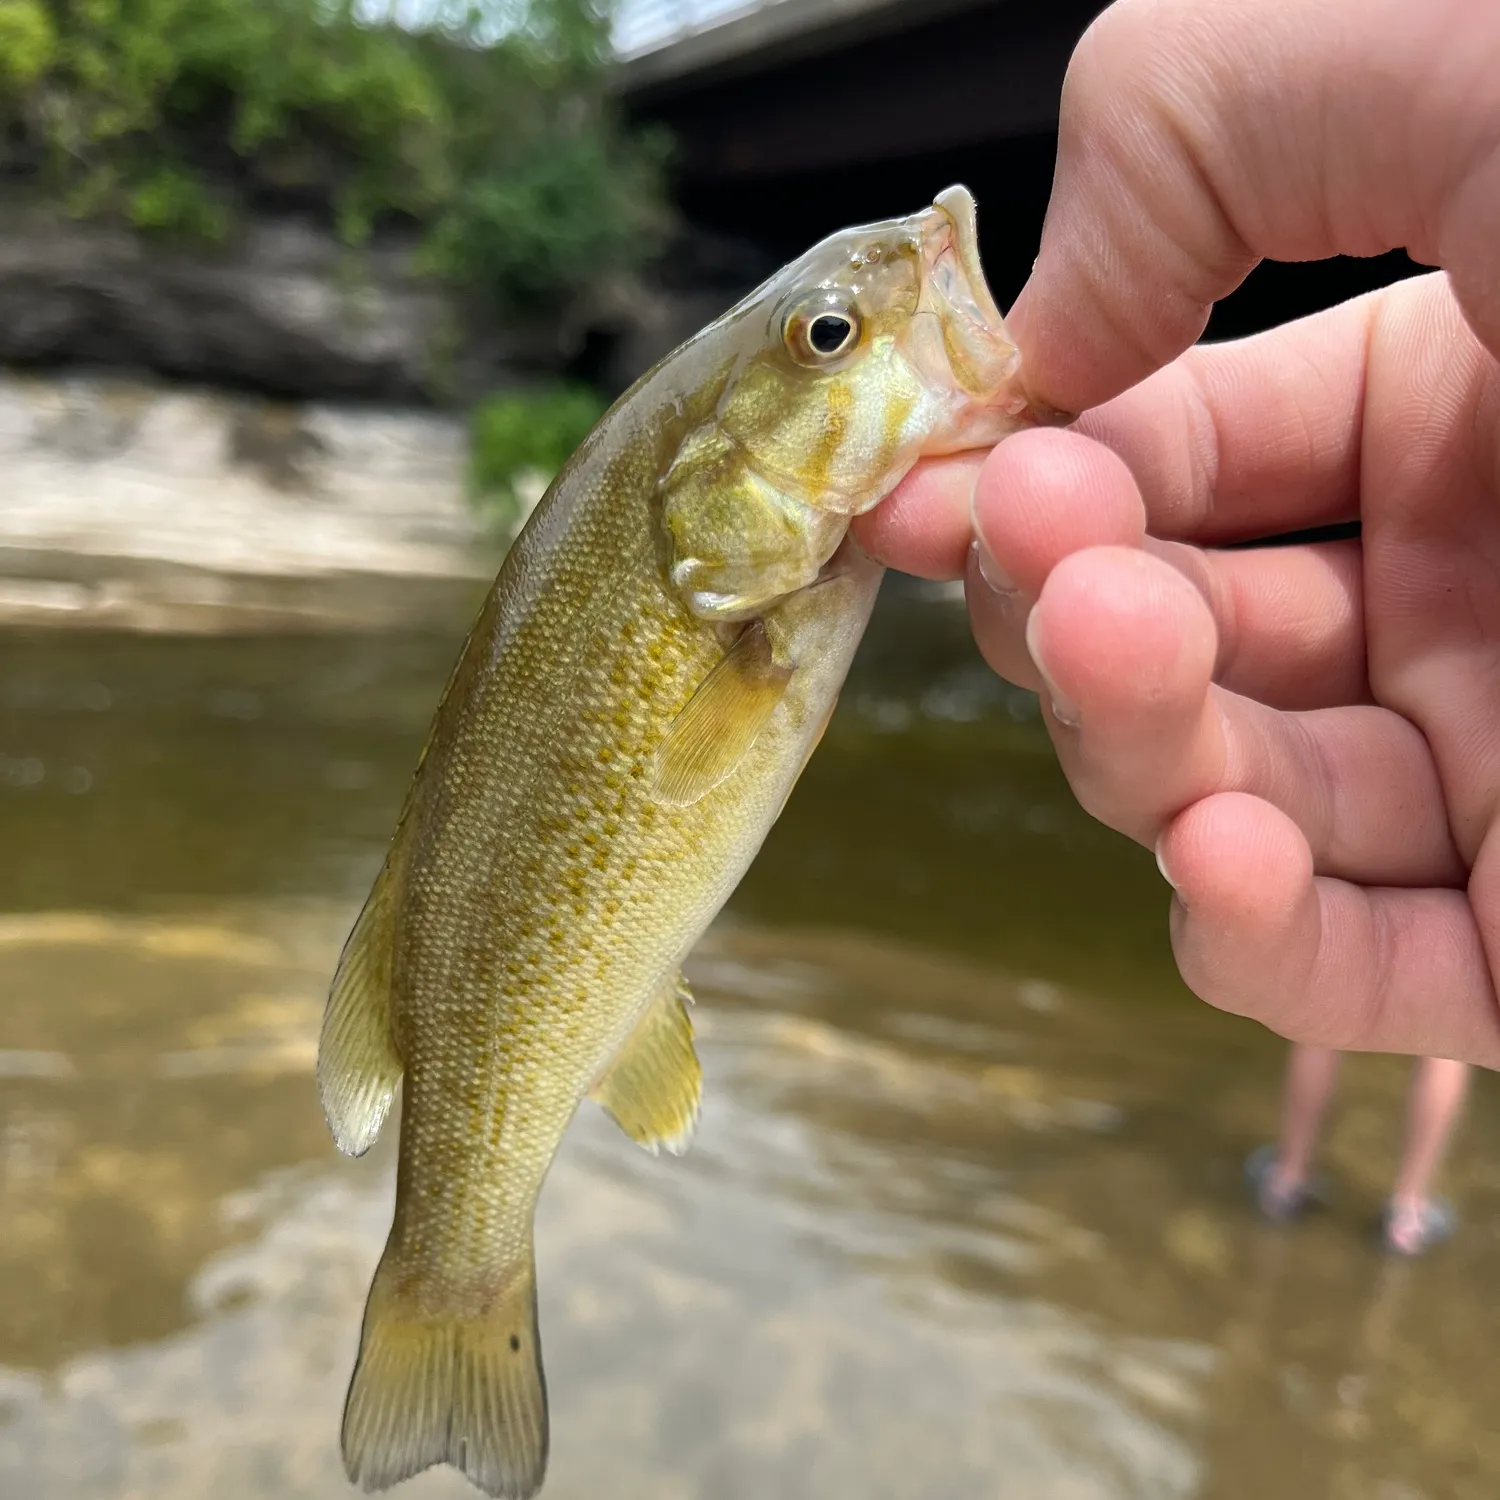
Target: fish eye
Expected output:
[822,329]
[829,332]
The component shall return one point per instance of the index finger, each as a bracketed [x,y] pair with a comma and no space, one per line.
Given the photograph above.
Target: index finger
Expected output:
[1230,442]
[1195,140]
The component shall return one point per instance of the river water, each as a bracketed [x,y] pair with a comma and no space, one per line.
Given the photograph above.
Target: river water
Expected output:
[964,1216]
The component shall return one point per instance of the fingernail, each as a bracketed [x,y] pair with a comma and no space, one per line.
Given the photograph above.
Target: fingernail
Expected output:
[1161,863]
[1064,710]
[989,567]
[991,571]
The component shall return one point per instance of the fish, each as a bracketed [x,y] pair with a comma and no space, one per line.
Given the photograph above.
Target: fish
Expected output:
[658,658]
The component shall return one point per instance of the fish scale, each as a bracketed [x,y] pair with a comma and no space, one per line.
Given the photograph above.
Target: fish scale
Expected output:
[658,658]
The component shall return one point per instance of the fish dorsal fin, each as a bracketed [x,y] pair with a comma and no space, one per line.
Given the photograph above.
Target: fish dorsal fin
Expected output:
[358,1066]
[653,1086]
[716,729]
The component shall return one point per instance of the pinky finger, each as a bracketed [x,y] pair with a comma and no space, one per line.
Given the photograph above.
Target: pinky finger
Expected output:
[1319,960]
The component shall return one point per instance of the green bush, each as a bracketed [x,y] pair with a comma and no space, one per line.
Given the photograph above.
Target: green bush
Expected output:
[519,440]
[174,202]
[567,216]
[28,43]
[487,128]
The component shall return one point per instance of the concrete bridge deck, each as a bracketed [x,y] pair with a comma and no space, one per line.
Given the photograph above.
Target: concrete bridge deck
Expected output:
[791,118]
[659,40]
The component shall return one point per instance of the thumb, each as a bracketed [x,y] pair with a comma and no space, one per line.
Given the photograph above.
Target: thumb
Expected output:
[1196,139]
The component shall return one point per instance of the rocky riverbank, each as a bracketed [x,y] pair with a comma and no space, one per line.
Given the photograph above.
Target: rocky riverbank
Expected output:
[268,436]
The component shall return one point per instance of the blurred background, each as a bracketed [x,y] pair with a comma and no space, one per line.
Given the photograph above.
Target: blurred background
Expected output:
[301,304]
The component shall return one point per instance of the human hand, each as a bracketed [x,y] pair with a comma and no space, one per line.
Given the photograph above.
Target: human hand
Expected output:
[1309,735]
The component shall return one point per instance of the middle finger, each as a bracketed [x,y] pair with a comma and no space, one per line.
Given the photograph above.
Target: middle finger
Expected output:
[1289,620]
[1127,647]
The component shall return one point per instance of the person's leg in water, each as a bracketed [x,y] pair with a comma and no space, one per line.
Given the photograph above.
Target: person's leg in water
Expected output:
[1414,1221]
[1281,1174]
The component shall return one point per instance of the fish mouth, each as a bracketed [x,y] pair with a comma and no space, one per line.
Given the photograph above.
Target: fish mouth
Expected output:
[981,354]
[956,204]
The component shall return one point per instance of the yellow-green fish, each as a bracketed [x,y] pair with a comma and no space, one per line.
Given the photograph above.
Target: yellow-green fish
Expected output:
[649,675]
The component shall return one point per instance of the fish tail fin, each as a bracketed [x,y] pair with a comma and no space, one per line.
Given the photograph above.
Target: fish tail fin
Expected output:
[465,1389]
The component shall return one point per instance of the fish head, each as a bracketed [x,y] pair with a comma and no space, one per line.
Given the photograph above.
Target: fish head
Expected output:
[881,345]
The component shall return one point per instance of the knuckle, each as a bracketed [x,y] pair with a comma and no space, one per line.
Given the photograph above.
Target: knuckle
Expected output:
[1103,794]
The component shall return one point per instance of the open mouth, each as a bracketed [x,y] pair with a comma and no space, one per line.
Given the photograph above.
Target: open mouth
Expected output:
[979,350]
[957,205]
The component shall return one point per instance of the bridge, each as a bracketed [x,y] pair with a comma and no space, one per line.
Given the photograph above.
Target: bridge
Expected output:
[793,117]
[658,39]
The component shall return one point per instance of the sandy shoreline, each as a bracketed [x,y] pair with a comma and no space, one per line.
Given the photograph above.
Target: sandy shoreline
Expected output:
[140,506]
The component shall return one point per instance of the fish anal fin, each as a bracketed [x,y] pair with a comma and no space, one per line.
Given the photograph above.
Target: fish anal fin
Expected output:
[358,1065]
[655,1083]
[463,1387]
[721,721]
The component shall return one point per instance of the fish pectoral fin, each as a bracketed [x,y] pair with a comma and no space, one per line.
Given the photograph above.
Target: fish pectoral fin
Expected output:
[653,1086]
[358,1066]
[462,1386]
[721,721]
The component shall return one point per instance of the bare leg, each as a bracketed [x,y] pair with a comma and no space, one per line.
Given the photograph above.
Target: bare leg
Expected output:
[1280,1173]
[1311,1073]
[1438,1088]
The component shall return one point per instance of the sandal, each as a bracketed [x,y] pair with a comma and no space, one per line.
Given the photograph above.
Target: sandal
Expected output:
[1279,1203]
[1409,1231]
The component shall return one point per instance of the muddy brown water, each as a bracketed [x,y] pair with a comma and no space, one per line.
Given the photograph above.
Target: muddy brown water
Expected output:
[964,1217]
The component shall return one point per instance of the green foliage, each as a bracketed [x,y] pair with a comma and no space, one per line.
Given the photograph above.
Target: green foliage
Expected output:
[28,43]
[171,201]
[569,215]
[519,440]
[487,127]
